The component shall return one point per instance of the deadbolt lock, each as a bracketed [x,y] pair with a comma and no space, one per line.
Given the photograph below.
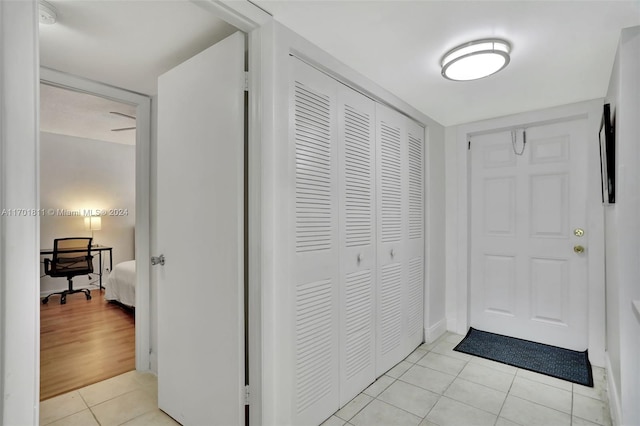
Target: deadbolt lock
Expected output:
[578,232]
[578,249]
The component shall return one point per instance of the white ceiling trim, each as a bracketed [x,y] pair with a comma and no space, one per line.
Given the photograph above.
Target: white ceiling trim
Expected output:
[244,15]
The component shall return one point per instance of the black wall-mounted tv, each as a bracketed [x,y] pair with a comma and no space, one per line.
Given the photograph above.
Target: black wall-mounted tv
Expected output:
[607,157]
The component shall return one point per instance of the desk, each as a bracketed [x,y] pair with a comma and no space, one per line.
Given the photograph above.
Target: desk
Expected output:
[99,249]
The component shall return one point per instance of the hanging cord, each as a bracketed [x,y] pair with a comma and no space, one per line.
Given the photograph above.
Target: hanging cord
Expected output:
[513,141]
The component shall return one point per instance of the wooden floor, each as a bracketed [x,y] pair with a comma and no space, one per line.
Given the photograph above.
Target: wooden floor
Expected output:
[83,342]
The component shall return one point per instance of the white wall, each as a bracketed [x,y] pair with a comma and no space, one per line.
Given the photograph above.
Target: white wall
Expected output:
[623,234]
[451,228]
[435,322]
[78,174]
[19,312]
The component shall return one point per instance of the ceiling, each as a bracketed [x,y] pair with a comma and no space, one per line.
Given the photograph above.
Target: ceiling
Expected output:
[126,44]
[67,112]
[562,51]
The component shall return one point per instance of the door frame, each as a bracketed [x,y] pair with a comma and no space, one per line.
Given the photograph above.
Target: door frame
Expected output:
[458,279]
[143,191]
[277,44]
[19,144]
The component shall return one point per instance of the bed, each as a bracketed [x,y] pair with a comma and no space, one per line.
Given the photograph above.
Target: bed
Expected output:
[121,284]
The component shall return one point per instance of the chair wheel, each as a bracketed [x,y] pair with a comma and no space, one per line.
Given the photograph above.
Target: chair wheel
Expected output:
[45,300]
[63,301]
[88,297]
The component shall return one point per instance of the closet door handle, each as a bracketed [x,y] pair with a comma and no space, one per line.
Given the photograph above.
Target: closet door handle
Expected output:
[360,258]
[392,253]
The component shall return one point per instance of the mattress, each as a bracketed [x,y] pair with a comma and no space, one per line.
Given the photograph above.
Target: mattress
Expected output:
[121,283]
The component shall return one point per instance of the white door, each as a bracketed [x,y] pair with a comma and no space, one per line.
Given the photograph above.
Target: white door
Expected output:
[315,269]
[414,291]
[526,280]
[200,232]
[391,135]
[357,147]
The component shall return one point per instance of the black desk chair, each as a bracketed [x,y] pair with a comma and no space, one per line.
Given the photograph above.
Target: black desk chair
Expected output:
[71,257]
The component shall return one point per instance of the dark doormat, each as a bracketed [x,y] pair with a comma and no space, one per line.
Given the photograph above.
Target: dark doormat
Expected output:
[553,361]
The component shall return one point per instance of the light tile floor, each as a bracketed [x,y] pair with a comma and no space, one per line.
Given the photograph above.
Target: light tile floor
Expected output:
[434,386]
[130,399]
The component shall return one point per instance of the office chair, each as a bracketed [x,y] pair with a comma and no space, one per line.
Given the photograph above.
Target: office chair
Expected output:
[71,257]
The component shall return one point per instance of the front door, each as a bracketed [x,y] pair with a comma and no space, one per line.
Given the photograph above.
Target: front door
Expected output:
[200,213]
[527,216]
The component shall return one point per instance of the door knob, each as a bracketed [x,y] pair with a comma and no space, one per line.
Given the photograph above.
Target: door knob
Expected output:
[155,260]
[578,232]
[578,249]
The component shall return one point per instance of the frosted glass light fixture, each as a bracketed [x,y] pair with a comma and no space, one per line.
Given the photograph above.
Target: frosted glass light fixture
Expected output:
[476,59]
[46,13]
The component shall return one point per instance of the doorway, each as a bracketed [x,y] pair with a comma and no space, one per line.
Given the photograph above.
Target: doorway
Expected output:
[528,275]
[84,173]
[590,112]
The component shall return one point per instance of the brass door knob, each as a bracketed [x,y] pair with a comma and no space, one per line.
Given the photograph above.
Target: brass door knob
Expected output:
[578,232]
[578,249]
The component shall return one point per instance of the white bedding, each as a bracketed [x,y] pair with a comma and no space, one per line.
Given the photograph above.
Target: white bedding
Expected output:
[121,284]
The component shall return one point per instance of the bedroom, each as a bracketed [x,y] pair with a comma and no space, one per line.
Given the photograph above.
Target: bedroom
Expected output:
[87,166]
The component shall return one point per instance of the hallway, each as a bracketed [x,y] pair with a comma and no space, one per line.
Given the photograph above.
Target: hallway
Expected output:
[434,386]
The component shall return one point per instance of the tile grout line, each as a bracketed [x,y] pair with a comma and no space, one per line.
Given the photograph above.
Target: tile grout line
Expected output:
[507,396]
[90,410]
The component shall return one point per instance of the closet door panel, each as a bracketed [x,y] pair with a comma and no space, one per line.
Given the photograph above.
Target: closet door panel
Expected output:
[391,233]
[356,118]
[315,295]
[415,236]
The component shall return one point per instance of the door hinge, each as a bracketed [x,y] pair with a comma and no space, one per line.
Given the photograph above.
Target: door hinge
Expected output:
[246,81]
[246,395]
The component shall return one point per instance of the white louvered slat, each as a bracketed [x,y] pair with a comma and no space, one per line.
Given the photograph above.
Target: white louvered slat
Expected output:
[358,322]
[416,188]
[391,182]
[357,175]
[313,342]
[415,291]
[391,306]
[313,169]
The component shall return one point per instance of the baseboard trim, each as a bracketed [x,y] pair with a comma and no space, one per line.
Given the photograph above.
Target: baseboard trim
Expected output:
[432,333]
[615,407]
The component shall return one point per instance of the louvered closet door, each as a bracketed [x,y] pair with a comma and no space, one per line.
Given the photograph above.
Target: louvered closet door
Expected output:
[415,238]
[391,134]
[315,259]
[356,118]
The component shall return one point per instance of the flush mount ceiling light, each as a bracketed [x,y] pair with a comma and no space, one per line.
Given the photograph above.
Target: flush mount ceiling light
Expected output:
[476,59]
[46,13]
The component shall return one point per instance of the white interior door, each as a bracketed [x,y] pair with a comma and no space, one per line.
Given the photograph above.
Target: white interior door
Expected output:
[357,146]
[414,311]
[200,232]
[526,280]
[315,270]
[391,136]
